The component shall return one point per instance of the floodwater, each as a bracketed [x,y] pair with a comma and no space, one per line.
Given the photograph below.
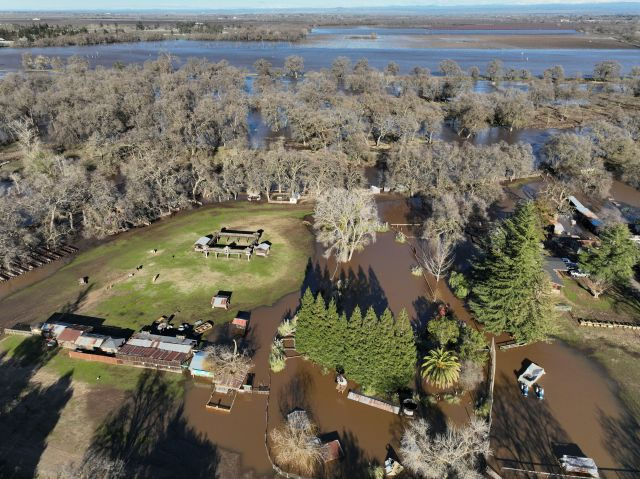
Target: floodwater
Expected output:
[320,50]
[582,412]
[580,415]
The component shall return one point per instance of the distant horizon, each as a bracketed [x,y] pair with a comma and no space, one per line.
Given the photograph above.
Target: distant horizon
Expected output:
[257,6]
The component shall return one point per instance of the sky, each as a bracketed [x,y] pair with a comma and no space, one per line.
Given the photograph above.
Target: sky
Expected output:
[254,4]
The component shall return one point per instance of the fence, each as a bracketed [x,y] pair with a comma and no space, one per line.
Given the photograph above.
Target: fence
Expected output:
[17,332]
[596,323]
[93,357]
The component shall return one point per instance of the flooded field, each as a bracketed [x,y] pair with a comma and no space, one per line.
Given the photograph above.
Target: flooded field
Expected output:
[407,47]
[582,408]
[580,415]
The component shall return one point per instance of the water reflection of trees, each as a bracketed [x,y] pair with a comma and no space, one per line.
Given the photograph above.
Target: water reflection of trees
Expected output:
[28,411]
[150,435]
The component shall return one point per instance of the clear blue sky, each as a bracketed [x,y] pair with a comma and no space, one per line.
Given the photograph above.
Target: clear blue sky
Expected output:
[250,4]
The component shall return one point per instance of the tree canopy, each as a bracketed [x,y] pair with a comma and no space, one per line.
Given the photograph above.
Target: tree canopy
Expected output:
[512,291]
[379,353]
[610,262]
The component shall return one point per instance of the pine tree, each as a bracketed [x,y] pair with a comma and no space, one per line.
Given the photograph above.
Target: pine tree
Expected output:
[512,292]
[405,354]
[377,353]
[611,262]
[305,328]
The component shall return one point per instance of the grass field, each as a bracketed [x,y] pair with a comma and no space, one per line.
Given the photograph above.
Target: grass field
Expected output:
[187,280]
[28,351]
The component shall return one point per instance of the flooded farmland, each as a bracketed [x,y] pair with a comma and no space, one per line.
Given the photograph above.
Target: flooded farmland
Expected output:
[582,408]
[407,47]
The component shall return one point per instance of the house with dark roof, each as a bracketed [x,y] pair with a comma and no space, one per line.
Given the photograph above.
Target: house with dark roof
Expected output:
[553,267]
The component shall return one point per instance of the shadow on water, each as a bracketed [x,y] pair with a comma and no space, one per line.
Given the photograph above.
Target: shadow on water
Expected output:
[28,411]
[524,428]
[150,435]
[623,440]
[350,288]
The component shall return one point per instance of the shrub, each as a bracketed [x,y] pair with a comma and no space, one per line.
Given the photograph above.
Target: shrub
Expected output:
[277,360]
[416,270]
[401,237]
[287,327]
[459,284]
[451,398]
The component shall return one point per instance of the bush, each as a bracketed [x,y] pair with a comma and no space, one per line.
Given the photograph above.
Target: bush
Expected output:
[287,327]
[443,330]
[382,227]
[400,237]
[376,472]
[459,284]
[473,346]
[416,270]
[277,360]
[482,410]
[451,398]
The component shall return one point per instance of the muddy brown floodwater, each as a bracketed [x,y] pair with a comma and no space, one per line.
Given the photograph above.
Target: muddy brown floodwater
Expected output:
[581,410]
[580,415]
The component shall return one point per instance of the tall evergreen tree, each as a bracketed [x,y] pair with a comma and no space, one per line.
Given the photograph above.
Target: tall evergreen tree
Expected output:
[512,291]
[377,353]
[611,262]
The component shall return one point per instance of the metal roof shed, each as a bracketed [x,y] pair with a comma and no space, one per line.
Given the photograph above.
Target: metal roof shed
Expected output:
[197,366]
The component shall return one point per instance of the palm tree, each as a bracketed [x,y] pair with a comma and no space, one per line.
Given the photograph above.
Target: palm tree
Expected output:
[441,367]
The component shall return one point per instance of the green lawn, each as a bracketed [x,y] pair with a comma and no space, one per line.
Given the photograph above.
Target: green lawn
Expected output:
[187,279]
[29,351]
[618,303]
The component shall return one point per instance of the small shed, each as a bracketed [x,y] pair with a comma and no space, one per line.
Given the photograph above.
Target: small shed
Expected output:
[197,366]
[331,450]
[262,249]
[221,300]
[531,375]
[579,465]
[202,243]
[241,322]
[68,337]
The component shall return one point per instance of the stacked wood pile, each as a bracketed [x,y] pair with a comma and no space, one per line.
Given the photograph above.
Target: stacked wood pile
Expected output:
[36,258]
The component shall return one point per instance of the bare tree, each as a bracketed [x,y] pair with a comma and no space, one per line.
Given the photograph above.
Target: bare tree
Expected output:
[454,454]
[345,221]
[296,446]
[94,465]
[226,361]
[435,255]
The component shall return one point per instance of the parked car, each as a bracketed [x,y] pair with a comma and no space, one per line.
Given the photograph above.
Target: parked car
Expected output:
[257,197]
[576,273]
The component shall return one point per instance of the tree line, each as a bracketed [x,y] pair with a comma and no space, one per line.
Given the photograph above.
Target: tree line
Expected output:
[108,149]
[379,353]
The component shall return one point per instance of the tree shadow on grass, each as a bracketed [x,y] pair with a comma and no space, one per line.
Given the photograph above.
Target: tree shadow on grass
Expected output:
[28,411]
[150,435]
